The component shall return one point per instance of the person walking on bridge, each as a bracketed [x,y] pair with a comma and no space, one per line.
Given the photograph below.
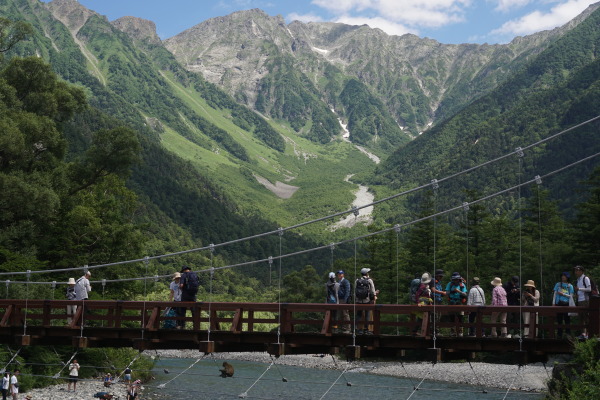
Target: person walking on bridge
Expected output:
[499,299]
[83,287]
[563,292]
[364,293]
[344,296]
[332,289]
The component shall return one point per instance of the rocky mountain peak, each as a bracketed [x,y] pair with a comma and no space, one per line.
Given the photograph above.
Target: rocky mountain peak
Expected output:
[72,14]
[138,29]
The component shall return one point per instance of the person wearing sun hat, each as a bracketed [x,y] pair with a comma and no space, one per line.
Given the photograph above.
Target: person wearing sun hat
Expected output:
[175,295]
[457,295]
[476,298]
[424,298]
[531,297]
[499,299]
[70,295]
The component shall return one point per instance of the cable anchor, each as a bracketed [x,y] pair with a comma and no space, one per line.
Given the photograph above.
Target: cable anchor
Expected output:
[280,231]
[538,180]
[465,206]
[397,228]
[155,278]
[434,184]
[103,283]
[332,246]
[53,285]
[212,247]
[355,211]
[270,260]
[519,151]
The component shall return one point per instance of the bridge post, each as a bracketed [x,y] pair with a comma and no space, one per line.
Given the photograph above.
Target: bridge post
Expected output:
[594,316]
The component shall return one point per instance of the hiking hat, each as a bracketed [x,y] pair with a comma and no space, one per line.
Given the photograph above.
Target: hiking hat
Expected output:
[365,271]
[341,272]
[426,278]
[71,281]
[565,273]
[530,283]
[578,267]
[185,268]
[439,272]
[331,275]
[176,275]
[455,275]
[88,273]
[475,281]
[496,282]
[515,278]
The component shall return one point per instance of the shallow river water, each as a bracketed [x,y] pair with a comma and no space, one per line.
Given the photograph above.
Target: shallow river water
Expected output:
[202,381]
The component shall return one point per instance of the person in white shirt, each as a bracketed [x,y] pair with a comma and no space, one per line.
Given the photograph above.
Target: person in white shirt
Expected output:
[83,287]
[14,385]
[175,295]
[73,375]
[583,287]
[5,385]
[476,298]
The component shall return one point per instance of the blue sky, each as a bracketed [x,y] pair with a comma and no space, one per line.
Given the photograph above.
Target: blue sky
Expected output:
[448,21]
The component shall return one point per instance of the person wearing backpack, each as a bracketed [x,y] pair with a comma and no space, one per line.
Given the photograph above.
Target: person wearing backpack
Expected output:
[562,293]
[583,288]
[189,284]
[457,295]
[70,295]
[414,286]
[364,293]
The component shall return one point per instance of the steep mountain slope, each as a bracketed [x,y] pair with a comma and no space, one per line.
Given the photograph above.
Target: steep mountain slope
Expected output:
[420,81]
[554,91]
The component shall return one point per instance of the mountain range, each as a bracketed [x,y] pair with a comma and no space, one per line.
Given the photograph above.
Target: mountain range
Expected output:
[249,123]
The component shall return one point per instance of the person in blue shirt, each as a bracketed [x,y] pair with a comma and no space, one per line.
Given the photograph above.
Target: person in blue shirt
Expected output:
[457,295]
[563,291]
[344,295]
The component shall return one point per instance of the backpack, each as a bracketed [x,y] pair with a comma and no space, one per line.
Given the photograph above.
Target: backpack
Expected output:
[594,291]
[415,284]
[71,293]
[191,282]
[362,289]
[169,323]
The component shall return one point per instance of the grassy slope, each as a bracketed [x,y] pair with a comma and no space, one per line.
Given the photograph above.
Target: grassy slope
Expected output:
[322,171]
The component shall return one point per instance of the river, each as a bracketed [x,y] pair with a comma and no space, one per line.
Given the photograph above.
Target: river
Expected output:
[202,381]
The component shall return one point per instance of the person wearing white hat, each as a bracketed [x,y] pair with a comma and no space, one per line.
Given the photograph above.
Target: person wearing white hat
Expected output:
[531,297]
[175,295]
[364,293]
[332,289]
[71,310]
[499,299]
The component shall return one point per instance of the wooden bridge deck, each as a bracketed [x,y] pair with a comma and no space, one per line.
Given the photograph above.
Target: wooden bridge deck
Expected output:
[282,328]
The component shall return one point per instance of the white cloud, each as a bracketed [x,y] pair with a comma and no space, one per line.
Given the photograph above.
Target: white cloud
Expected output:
[414,13]
[303,17]
[508,5]
[389,27]
[537,21]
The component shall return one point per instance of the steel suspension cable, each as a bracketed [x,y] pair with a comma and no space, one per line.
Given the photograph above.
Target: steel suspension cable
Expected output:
[354,298]
[279,289]
[334,382]
[397,275]
[354,209]
[212,273]
[435,188]
[3,370]
[539,194]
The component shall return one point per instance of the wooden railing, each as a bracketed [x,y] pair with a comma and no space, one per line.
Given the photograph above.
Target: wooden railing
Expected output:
[290,317]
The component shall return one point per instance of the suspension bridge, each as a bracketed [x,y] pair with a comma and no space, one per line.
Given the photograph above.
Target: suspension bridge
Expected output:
[282,329]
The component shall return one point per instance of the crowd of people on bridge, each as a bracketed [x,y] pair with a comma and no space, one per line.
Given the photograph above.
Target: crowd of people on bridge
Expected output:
[426,290]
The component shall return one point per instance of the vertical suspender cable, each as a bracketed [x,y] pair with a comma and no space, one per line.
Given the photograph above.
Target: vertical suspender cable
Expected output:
[354,302]
[146,262]
[7,285]
[397,229]
[538,180]
[435,187]
[279,284]
[467,238]
[212,273]
[520,154]
[26,302]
